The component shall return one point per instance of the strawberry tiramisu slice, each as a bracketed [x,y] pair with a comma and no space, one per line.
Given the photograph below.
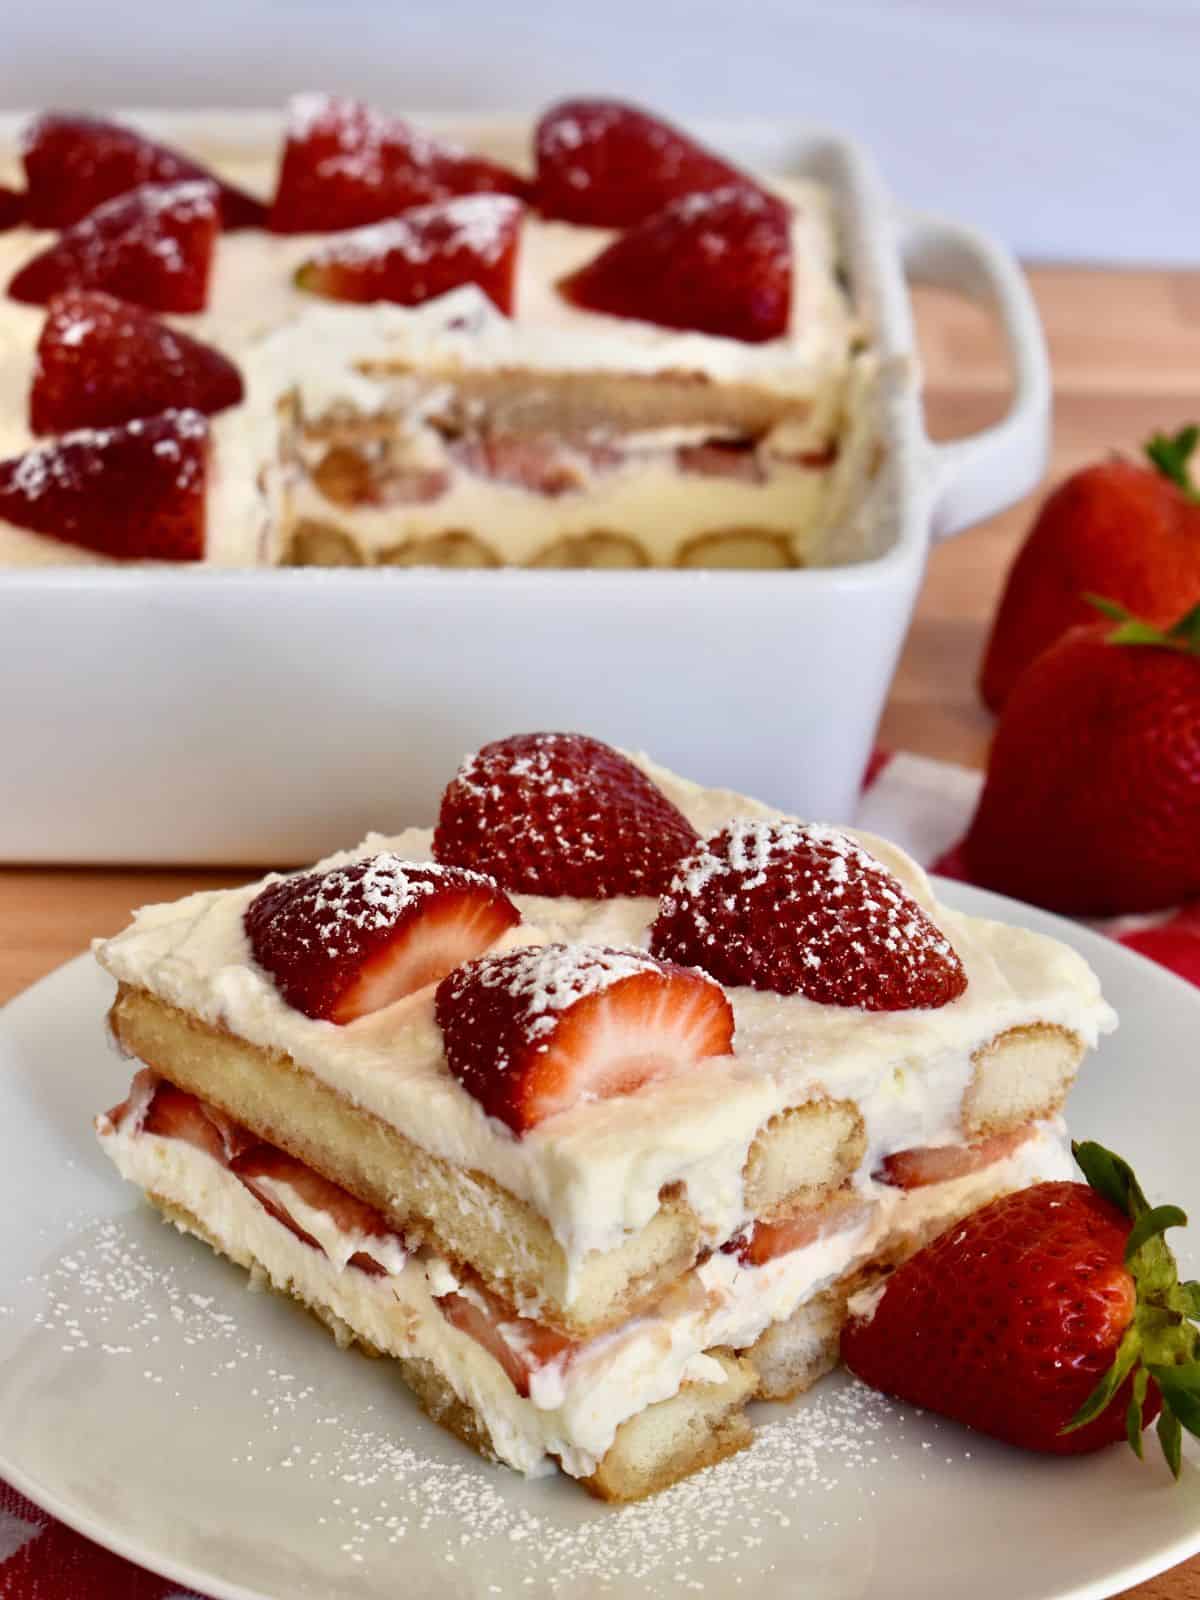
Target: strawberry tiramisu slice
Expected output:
[592,1106]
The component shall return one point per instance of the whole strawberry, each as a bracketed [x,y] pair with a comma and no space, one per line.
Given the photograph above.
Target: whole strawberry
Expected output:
[1117,528]
[1092,799]
[1053,1319]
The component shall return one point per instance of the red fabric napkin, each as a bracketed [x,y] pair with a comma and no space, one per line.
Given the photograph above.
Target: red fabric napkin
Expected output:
[924,806]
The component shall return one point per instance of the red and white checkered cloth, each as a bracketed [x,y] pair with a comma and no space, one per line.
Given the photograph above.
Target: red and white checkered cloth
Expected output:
[925,807]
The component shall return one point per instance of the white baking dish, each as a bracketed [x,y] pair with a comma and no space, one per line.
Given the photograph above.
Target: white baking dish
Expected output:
[270,716]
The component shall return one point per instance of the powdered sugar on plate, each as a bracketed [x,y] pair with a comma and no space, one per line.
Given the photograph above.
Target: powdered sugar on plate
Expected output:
[251,1393]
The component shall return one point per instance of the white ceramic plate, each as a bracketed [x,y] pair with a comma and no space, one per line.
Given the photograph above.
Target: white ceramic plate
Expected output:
[221,1439]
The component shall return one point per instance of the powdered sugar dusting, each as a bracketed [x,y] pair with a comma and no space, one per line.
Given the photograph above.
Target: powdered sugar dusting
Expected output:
[340,909]
[478,225]
[803,907]
[69,463]
[311,1440]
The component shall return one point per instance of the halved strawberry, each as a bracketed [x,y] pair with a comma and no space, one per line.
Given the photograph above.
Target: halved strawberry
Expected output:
[763,1241]
[12,208]
[717,263]
[134,492]
[100,361]
[612,165]
[942,1163]
[153,246]
[349,941]
[264,1164]
[800,908]
[425,252]
[345,164]
[75,163]
[175,1114]
[519,1344]
[561,814]
[534,1031]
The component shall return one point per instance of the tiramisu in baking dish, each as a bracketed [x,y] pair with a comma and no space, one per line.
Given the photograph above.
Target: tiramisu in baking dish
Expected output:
[591,1106]
[628,353]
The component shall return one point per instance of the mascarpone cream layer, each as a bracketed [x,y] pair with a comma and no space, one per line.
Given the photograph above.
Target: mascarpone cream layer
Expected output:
[252,297]
[574,1408]
[595,1172]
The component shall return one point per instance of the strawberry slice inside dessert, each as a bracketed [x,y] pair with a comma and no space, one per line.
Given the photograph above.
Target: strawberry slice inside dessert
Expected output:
[718,263]
[561,814]
[134,492]
[75,163]
[277,1181]
[520,1345]
[797,908]
[101,361]
[153,246]
[915,1168]
[344,943]
[345,165]
[532,1032]
[423,253]
[606,164]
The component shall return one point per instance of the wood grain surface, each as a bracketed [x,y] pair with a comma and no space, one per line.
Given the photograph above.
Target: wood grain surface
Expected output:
[1125,348]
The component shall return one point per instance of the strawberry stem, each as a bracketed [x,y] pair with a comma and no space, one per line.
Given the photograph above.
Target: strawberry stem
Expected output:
[1169,453]
[1162,1341]
[1182,636]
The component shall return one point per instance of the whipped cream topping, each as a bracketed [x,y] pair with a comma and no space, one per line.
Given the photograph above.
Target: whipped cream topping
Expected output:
[318,348]
[574,1405]
[595,1172]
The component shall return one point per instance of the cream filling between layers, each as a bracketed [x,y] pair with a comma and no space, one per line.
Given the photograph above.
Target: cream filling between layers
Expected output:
[574,1407]
[595,1172]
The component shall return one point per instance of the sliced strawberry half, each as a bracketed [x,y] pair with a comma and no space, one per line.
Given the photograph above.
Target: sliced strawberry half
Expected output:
[763,1241]
[803,909]
[718,263]
[101,361]
[134,492]
[346,942]
[175,1114]
[561,814]
[612,165]
[423,253]
[345,164]
[520,1345]
[153,246]
[535,1031]
[917,1167]
[75,163]
[12,208]
[264,1165]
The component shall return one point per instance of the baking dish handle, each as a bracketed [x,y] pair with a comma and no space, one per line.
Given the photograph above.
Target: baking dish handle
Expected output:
[979,475]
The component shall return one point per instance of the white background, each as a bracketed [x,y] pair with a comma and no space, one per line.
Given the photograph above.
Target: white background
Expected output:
[1070,128]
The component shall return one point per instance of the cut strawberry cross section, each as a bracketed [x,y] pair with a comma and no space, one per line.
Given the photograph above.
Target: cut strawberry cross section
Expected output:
[134,492]
[345,164]
[611,165]
[717,263]
[804,909]
[153,246]
[521,1346]
[532,1032]
[561,814]
[101,361]
[423,253]
[346,942]
[75,163]
[282,1185]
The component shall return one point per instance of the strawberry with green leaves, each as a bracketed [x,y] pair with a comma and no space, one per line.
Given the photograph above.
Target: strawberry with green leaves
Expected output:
[1119,527]
[1091,804]
[1053,1319]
